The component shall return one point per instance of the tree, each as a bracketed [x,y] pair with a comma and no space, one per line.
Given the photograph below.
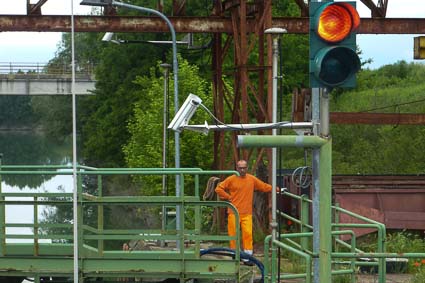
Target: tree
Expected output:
[144,147]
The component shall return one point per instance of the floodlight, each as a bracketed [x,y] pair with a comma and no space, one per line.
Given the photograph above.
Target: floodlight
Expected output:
[185,112]
[96,2]
[108,36]
[275,31]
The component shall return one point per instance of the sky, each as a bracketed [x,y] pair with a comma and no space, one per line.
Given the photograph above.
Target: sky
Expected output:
[36,47]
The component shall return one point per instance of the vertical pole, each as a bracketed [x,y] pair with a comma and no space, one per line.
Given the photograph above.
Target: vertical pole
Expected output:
[80,223]
[305,213]
[176,90]
[166,68]
[100,222]
[275,48]
[35,211]
[2,215]
[74,152]
[325,241]
[325,246]
[273,223]
[316,184]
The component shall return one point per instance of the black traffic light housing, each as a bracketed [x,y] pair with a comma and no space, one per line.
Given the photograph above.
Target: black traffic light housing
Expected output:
[333,58]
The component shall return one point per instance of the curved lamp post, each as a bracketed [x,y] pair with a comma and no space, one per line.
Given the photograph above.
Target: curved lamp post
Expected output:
[175,65]
[175,73]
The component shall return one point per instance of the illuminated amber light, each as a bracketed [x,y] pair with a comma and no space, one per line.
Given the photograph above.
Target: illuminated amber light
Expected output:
[336,22]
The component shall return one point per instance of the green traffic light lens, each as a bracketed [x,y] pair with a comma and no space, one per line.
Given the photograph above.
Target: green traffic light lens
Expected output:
[334,65]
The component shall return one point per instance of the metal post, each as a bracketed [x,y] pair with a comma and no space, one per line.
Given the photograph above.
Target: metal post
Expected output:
[166,67]
[2,215]
[325,238]
[176,92]
[316,185]
[275,48]
[75,210]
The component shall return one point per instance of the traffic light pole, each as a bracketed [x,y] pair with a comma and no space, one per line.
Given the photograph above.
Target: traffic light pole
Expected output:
[322,191]
[333,62]
[315,92]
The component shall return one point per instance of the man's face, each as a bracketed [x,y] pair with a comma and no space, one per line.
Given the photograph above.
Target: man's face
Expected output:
[241,167]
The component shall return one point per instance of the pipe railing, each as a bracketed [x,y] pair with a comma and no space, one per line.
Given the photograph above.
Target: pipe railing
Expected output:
[41,68]
[302,248]
[97,240]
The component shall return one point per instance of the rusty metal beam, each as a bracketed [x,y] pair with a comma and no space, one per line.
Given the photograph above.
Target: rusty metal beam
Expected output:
[303,7]
[377,118]
[35,9]
[55,23]
[179,7]
[377,10]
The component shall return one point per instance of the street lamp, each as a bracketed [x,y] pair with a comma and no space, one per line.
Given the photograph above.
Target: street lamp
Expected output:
[109,37]
[175,73]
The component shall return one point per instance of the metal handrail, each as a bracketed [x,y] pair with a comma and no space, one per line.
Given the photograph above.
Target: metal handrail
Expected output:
[91,234]
[37,68]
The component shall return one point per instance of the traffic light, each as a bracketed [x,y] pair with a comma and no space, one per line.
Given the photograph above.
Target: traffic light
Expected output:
[333,58]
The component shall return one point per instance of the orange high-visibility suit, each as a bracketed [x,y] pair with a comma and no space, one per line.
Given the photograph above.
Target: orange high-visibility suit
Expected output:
[239,190]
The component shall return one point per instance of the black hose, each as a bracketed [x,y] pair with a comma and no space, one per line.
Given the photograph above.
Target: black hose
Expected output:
[231,253]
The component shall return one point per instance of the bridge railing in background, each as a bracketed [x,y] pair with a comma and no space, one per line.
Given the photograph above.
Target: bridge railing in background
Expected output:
[40,68]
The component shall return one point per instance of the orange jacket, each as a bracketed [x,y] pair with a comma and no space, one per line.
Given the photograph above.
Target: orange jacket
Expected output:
[240,191]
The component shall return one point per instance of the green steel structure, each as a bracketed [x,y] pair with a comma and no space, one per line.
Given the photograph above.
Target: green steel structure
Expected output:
[48,255]
[100,254]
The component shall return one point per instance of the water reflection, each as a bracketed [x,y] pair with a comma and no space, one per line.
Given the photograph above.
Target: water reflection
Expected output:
[31,148]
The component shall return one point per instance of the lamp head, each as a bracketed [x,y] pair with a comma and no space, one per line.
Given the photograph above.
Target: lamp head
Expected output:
[96,2]
[275,31]
[108,36]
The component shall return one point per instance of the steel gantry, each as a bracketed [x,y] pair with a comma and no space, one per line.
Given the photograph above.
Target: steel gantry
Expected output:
[238,29]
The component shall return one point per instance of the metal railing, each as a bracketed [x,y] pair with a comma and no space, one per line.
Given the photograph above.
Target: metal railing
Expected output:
[100,245]
[42,68]
[302,247]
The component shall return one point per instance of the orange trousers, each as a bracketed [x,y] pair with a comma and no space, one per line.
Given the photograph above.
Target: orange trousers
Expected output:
[246,228]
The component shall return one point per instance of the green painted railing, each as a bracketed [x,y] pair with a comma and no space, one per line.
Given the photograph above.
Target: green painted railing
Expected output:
[100,246]
[301,247]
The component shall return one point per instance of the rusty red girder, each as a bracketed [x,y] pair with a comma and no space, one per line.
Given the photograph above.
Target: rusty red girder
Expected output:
[239,102]
[377,118]
[35,9]
[377,10]
[212,24]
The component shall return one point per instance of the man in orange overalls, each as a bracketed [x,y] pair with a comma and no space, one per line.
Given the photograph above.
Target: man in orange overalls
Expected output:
[239,190]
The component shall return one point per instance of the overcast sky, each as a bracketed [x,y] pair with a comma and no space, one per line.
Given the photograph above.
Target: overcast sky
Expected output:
[40,47]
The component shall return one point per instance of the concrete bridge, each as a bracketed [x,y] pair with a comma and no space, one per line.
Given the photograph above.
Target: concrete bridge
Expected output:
[43,79]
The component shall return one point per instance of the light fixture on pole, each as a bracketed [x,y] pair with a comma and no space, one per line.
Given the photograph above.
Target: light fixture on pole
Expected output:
[109,37]
[275,32]
[175,73]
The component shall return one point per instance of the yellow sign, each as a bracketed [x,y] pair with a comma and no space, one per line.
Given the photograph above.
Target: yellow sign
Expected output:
[419,47]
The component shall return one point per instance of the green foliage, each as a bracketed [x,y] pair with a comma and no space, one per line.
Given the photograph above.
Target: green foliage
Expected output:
[55,115]
[419,270]
[399,242]
[381,149]
[144,147]
[106,114]
[16,111]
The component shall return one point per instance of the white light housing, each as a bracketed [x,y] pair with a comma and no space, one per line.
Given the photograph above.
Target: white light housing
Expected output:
[108,36]
[185,112]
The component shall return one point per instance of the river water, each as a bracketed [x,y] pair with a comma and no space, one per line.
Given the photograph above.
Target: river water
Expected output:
[29,148]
